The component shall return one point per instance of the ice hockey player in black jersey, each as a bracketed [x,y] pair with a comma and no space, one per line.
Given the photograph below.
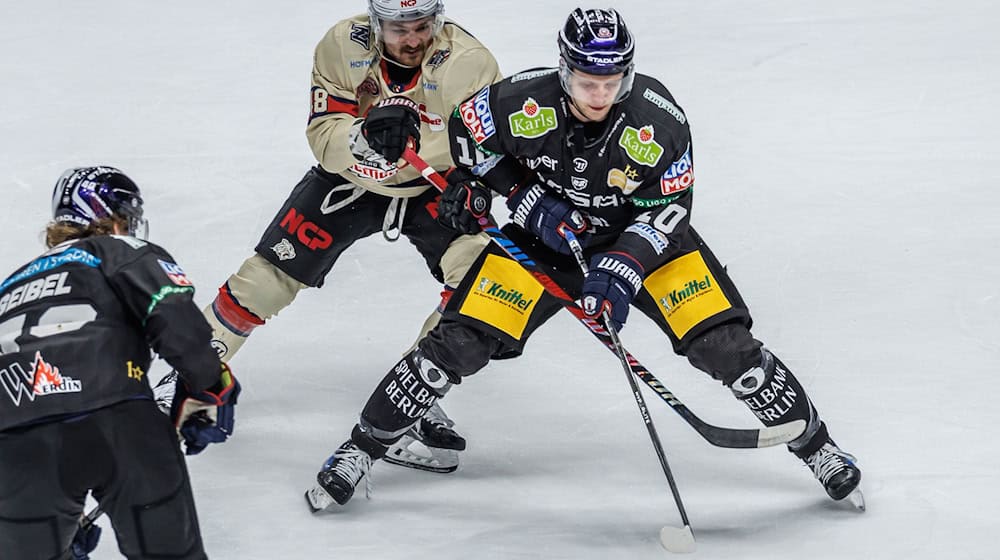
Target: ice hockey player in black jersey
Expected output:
[605,152]
[77,415]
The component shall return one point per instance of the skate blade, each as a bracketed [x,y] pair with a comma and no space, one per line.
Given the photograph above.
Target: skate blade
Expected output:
[408,452]
[857,499]
[677,539]
[318,500]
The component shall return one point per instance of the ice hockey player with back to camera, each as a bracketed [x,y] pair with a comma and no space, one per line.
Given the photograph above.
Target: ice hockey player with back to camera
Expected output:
[77,413]
[379,79]
[605,152]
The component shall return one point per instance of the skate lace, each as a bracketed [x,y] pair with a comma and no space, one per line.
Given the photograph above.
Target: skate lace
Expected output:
[828,461]
[436,416]
[353,465]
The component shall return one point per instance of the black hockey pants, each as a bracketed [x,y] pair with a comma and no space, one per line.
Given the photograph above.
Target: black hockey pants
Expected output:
[128,455]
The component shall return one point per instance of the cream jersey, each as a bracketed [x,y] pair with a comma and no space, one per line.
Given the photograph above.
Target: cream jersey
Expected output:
[348,78]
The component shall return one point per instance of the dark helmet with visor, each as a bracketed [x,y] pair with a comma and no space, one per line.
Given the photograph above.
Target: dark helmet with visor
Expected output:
[84,195]
[596,42]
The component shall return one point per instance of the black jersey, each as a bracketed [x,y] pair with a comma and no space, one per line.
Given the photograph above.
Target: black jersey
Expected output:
[631,175]
[78,322]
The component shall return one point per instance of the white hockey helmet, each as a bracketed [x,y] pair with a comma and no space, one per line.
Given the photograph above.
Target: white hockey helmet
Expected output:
[404,10]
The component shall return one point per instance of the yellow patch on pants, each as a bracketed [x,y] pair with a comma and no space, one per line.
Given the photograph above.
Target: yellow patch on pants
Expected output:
[503,296]
[686,293]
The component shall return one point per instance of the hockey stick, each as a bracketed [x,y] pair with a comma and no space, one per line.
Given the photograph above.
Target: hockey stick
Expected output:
[716,435]
[674,539]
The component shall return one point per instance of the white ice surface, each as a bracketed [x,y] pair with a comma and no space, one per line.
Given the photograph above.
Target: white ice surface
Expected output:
[848,173]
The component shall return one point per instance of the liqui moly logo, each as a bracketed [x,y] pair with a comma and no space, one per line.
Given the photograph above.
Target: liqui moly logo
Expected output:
[478,117]
[679,176]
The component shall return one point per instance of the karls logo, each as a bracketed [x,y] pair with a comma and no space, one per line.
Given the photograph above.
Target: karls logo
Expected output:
[308,233]
[532,120]
[640,145]
[692,289]
[496,291]
[44,379]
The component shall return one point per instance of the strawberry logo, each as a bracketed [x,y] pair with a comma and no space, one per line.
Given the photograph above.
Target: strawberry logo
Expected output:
[646,134]
[530,107]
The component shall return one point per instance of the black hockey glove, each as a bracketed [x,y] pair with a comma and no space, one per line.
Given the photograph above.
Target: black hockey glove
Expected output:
[390,125]
[465,204]
[612,283]
[205,417]
[543,214]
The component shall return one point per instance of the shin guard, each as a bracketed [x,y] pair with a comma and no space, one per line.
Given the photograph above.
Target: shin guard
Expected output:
[775,396]
[405,394]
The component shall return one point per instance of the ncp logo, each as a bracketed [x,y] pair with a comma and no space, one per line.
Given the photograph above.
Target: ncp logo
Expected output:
[308,233]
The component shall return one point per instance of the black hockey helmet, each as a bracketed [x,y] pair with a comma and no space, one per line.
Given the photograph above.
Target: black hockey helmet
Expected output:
[84,195]
[596,42]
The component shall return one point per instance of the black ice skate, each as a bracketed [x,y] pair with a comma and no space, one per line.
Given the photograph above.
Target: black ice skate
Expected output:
[431,445]
[837,472]
[339,476]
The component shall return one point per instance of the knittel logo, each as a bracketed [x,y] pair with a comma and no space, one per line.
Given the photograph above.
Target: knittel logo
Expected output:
[532,120]
[48,380]
[691,290]
[640,145]
[495,291]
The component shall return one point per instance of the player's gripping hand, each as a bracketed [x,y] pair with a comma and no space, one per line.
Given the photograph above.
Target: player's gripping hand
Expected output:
[390,125]
[611,284]
[208,416]
[465,204]
[544,214]
[84,542]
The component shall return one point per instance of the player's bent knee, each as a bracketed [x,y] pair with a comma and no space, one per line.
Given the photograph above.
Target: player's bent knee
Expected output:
[725,352]
[262,288]
[459,349]
[460,255]
[168,527]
